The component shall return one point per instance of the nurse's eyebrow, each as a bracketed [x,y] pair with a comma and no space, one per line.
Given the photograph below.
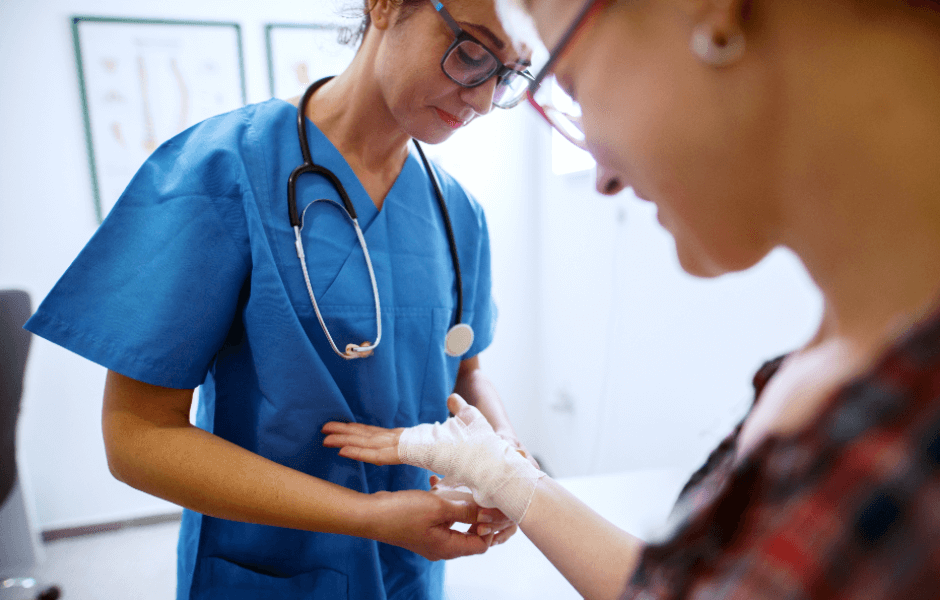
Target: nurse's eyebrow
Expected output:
[487,32]
[500,44]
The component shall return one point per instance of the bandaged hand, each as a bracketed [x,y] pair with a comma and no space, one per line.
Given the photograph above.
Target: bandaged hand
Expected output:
[468,452]
[464,448]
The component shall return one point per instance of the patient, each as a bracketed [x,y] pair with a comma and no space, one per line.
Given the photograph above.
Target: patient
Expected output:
[808,124]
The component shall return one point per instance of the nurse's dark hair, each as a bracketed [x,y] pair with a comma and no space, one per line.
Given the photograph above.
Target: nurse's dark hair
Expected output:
[353,35]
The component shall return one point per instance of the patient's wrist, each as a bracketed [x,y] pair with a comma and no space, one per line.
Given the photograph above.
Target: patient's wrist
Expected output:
[469,453]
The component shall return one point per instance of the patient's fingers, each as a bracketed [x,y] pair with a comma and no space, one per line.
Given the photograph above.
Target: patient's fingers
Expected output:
[455,402]
[384,456]
[357,428]
[356,434]
[363,442]
[385,440]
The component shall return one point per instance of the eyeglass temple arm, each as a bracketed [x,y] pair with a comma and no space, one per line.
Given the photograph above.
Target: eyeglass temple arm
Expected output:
[538,107]
[555,54]
[447,18]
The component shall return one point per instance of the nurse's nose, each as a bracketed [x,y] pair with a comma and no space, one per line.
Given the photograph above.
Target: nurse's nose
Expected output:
[608,183]
[480,98]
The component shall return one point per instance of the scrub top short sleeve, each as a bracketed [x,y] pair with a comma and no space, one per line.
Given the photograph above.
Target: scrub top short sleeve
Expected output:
[153,294]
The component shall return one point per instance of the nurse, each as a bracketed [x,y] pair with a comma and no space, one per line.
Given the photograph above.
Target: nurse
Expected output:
[194,280]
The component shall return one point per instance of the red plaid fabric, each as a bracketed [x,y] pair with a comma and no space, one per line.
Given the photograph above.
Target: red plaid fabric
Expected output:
[848,508]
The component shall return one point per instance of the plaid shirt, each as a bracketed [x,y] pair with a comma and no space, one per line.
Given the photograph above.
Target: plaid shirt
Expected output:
[848,508]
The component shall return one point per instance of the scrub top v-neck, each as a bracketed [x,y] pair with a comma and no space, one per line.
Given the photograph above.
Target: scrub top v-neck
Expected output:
[193,280]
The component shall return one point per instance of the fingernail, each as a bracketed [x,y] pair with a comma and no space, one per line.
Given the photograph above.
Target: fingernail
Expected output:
[484,530]
[484,518]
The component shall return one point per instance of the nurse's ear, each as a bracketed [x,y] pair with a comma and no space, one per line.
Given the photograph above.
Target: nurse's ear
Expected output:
[383,12]
[718,35]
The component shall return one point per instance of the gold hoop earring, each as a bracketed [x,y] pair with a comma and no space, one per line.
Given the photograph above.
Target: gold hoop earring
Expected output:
[717,50]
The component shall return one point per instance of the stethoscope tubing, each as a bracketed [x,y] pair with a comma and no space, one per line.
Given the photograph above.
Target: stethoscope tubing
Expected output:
[296,220]
[451,241]
[352,350]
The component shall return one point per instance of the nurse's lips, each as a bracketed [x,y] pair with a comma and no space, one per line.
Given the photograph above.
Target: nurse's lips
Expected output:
[449,119]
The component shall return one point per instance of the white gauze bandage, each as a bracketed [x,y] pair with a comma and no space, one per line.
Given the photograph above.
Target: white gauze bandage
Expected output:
[467,451]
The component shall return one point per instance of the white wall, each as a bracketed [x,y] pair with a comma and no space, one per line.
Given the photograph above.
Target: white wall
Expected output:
[646,366]
[47,215]
[494,161]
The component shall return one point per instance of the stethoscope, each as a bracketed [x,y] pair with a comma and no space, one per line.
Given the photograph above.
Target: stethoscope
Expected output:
[459,338]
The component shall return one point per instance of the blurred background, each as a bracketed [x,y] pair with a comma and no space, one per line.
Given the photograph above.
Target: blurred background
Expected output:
[608,357]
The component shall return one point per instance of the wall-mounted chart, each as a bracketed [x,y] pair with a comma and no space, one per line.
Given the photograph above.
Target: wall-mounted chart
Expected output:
[300,54]
[144,81]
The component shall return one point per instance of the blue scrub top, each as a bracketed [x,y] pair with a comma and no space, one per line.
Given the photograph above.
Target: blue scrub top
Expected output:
[193,280]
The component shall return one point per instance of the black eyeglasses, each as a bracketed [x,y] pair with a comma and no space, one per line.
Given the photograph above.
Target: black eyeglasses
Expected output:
[551,101]
[469,63]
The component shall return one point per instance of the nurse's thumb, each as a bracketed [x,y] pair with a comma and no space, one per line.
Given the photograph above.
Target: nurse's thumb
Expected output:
[459,511]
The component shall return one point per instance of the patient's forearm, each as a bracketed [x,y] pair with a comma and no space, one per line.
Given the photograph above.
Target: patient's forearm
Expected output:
[592,553]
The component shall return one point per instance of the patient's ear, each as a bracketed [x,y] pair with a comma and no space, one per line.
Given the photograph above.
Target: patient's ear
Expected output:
[718,30]
[724,17]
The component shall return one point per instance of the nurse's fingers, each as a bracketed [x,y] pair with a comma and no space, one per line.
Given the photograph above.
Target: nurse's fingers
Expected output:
[494,518]
[458,511]
[456,544]
[491,522]
[504,535]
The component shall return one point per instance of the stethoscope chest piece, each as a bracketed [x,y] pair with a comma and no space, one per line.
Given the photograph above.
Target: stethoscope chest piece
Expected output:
[458,340]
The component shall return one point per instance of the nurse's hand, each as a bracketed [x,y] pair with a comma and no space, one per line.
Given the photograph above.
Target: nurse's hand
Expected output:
[492,525]
[421,522]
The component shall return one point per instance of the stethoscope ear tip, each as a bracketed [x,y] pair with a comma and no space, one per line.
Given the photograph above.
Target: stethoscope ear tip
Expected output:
[458,340]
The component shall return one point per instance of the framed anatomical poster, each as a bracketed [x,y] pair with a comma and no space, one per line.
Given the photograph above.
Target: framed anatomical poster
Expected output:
[300,54]
[144,81]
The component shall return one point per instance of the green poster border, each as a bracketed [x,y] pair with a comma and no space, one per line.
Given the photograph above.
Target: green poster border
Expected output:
[76,41]
[269,29]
